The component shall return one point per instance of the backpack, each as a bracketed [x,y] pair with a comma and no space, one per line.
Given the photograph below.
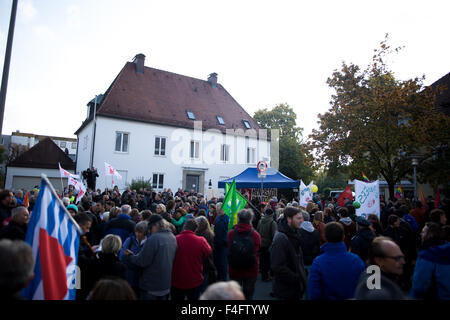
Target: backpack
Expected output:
[242,250]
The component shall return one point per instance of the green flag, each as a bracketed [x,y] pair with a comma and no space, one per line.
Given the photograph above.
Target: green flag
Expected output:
[232,204]
[227,187]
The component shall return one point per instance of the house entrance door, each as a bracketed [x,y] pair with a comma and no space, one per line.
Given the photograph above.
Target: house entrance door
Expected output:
[192,182]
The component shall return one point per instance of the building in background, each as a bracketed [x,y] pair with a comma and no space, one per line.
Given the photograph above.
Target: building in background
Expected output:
[144,127]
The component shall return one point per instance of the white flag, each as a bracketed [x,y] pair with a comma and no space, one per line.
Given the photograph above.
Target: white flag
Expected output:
[368,196]
[305,193]
[110,171]
[66,174]
[81,192]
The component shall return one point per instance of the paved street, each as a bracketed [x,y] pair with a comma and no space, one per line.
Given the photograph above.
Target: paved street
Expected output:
[262,290]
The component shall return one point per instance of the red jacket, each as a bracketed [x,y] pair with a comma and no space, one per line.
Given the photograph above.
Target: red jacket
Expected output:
[187,270]
[246,273]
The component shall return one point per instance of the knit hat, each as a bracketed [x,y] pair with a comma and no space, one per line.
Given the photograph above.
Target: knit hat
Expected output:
[73,207]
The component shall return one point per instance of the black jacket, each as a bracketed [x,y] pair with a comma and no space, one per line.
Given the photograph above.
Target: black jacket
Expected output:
[5,212]
[310,243]
[287,263]
[14,231]
[361,242]
[106,266]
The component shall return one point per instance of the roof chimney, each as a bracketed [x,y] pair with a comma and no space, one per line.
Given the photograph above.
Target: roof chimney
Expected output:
[139,60]
[212,78]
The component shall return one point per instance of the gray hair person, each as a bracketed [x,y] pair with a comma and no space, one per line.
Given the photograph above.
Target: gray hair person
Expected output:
[125,209]
[156,260]
[17,227]
[16,268]
[66,201]
[223,290]
[245,216]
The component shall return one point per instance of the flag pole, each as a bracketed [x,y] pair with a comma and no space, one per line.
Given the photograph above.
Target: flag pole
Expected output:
[44,176]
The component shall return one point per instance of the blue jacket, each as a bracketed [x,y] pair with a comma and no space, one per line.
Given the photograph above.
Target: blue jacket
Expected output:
[334,273]
[123,226]
[432,273]
[221,231]
[133,272]
[412,222]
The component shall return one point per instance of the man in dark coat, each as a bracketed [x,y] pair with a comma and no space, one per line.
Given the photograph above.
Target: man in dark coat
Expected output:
[360,243]
[17,227]
[287,258]
[123,225]
[310,241]
[6,204]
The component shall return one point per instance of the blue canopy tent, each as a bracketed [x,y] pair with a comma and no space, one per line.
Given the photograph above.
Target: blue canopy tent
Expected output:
[249,179]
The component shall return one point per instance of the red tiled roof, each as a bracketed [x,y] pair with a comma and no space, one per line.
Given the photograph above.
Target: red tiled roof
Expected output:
[46,155]
[162,97]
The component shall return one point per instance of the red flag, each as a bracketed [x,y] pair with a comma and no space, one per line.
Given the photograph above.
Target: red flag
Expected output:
[436,202]
[26,201]
[346,194]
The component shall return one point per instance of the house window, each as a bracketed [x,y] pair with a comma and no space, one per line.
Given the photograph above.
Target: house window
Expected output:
[62,144]
[225,152]
[158,181]
[195,149]
[247,124]
[160,146]
[190,115]
[85,142]
[220,119]
[121,142]
[251,155]
[74,145]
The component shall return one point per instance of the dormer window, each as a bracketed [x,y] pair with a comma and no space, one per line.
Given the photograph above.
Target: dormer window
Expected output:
[220,120]
[247,124]
[190,115]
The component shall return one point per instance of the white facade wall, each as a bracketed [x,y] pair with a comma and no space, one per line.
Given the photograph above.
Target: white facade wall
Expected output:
[84,148]
[140,160]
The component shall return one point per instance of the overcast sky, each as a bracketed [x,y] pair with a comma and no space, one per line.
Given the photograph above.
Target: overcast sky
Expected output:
[265,52]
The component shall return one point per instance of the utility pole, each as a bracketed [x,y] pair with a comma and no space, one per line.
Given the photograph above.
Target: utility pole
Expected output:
[5,76]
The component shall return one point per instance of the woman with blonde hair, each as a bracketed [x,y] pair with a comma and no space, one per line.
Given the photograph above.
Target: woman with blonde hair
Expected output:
[108,264]
[160,208]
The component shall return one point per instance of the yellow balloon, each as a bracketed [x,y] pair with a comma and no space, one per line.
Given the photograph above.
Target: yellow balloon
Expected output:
[314,188]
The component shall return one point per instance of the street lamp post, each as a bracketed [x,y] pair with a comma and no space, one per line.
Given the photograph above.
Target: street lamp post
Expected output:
[415,162]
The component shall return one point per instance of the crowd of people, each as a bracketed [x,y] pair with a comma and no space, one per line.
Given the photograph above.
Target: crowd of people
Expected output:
[141,244]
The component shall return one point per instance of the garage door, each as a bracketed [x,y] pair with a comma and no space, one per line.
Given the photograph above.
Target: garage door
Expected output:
[28,183]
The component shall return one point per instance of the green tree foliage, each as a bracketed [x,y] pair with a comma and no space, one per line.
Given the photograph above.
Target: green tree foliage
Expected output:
[327,181]
[293,160]
[140,182]
[376,122]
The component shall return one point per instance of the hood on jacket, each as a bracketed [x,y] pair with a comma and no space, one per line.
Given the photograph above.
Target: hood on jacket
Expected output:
[243,227]
[306,225]
[266,219]
[347,221]
[437,254]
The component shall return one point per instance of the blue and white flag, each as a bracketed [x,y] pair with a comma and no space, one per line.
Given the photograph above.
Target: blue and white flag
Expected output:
[55,238]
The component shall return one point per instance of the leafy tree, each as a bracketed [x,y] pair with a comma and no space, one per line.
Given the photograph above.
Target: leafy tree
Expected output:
[293,160]
[327,181]
[14,151]
[376,122]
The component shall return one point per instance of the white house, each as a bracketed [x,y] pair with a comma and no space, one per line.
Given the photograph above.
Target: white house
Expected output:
[178,131]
